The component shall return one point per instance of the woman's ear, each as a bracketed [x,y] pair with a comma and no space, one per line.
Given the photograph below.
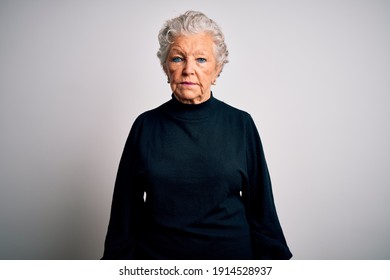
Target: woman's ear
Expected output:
[219,70]
[166,73]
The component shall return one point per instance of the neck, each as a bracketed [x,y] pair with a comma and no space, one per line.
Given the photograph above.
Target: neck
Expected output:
[193,101]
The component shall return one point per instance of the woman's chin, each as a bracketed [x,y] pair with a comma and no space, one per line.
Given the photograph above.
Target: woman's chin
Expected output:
[191,97]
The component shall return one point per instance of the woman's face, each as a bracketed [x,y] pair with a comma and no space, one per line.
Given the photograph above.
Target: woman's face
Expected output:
[191,67]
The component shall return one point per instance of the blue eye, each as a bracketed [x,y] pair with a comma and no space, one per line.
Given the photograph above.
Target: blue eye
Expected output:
[201,60]
[177,59]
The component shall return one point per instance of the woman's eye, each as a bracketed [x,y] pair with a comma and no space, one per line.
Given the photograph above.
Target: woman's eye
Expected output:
[177,59]
[201,60]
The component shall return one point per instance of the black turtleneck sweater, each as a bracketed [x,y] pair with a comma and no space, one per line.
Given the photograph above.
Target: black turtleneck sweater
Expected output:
[207,187]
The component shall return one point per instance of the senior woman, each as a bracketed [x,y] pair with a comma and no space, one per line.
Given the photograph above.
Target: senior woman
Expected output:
[193,182]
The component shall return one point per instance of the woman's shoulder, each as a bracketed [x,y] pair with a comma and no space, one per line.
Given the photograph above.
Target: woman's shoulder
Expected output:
[233,111]
[152,114]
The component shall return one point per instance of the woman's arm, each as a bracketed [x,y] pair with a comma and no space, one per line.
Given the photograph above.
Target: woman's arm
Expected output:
[127,203]
[267,236]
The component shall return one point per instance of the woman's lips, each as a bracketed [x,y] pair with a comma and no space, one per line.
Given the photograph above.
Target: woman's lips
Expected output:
[188,83]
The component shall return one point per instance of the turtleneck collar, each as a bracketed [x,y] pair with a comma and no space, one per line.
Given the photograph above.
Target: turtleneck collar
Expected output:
[192,111]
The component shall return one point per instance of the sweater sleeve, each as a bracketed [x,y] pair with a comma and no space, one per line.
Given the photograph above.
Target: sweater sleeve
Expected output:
[267,236]
[127,203]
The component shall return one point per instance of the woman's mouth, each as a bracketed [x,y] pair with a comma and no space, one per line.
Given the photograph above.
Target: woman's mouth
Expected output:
[187,83]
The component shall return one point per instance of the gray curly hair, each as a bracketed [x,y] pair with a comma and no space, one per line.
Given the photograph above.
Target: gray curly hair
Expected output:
[192,22]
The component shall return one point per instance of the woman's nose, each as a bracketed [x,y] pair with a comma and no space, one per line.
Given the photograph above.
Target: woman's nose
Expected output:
[188,67]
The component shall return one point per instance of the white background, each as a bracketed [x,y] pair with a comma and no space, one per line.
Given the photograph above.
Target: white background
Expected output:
[313,74]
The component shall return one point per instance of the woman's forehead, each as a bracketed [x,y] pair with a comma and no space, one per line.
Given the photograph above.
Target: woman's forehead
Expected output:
[197,43]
